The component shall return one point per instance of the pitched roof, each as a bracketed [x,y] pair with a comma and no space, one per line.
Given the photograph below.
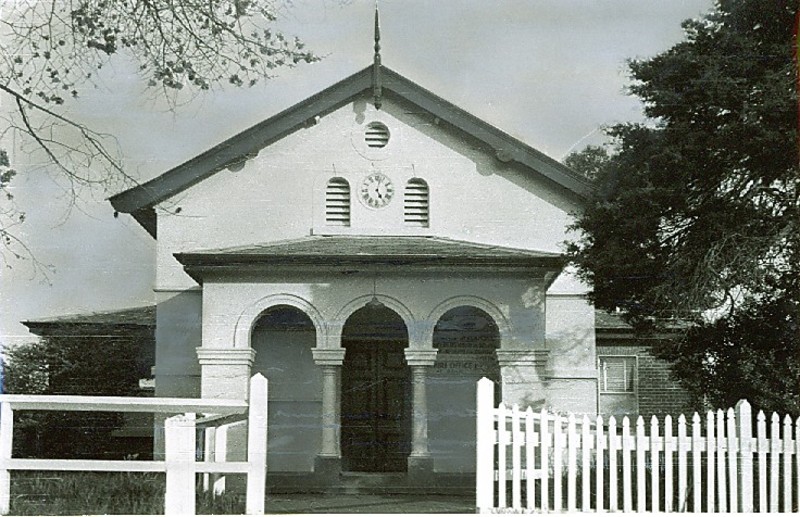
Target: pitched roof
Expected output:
[140,200]
[135,316]
[608,321]
[347,250]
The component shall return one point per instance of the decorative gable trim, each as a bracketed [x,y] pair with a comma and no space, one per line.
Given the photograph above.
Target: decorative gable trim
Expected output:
[249,142]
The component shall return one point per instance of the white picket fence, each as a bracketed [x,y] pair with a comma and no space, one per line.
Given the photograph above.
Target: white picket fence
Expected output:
[543,462]
[180,434]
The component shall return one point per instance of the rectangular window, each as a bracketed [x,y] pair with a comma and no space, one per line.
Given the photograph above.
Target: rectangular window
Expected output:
[617,374]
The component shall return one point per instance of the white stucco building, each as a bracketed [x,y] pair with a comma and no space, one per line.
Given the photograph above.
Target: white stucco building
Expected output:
[373,251]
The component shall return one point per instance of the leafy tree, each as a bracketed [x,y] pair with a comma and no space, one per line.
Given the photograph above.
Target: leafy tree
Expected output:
[697,213]
[76,360]
[589,161]
[51,51]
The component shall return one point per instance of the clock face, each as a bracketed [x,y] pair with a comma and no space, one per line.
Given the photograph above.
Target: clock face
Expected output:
[377,190]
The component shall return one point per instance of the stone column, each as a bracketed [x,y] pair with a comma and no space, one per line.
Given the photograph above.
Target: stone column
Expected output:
[420,461]
[328,461]
[225,372]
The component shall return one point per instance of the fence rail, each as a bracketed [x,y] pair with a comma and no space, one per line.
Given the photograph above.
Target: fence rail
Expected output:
[545,462]
[180,433]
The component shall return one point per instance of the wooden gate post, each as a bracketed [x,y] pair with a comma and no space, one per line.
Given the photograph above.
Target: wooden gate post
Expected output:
[257,446]
[744,418]
[179,441]
[6,439]
[484,445]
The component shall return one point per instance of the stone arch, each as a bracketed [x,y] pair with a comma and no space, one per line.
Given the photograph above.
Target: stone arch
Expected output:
[248,318]
[335,334]
[503,326]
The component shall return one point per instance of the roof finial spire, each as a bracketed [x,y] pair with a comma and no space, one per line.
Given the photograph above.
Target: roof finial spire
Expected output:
[376,63]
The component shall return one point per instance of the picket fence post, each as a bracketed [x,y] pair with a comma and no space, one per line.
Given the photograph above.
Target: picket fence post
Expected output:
[613,447]
[598,469]
[641,491]
[787,464]
[586,470]
[256,445]
[722,485]
[669,447]
[6,439]
[572,439]
[710,463]
[179,440]
[627,485]
[682,465]
[762,461]
[501,455]
[558,447]
[744,417]
[529,459]
[774,455]
[544,440]
[654,483]
[516,460]
[797,456]
[697,464]
[484,462]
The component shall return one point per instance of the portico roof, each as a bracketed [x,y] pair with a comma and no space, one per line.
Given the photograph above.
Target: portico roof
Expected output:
[347,250]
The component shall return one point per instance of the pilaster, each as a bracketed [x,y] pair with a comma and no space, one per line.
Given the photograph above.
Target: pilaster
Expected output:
[522,376]
[225,372]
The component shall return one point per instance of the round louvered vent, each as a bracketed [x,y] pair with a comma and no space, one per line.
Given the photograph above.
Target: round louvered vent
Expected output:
[377,135]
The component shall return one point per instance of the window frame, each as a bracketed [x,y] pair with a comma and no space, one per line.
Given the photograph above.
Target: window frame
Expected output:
[602,381]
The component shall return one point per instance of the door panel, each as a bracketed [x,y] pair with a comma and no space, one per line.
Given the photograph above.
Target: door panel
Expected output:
[375,389]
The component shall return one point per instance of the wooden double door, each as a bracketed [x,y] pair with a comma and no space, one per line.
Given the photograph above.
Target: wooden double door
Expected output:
[376,406]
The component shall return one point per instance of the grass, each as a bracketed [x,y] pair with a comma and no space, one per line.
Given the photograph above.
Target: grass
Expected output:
[112,493]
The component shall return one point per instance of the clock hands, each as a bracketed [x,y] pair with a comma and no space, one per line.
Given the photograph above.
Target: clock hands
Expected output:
[377,190]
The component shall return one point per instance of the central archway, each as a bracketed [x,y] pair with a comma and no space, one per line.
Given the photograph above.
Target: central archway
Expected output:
[375,410]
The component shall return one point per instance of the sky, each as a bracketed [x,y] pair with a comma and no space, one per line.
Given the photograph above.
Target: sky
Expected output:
[549,72]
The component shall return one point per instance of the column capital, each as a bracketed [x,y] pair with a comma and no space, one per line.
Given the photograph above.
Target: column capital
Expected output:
[328,356]
[231,356]
[416,357]
[522,357]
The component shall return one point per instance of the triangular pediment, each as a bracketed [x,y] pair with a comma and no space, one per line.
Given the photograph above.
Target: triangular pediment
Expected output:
[141,199]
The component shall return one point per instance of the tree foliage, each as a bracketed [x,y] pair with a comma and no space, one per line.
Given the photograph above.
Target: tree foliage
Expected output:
[76,360]
[698,210]
[589,161]
[51,51]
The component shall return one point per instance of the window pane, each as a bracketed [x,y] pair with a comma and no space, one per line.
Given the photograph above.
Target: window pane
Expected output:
[617,374]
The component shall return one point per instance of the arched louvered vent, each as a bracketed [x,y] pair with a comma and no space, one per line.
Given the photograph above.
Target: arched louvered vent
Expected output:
[337,202]
[416,209]
[377,135]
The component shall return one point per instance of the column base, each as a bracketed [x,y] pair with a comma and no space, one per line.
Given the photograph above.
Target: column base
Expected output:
[420,470]
[327,467]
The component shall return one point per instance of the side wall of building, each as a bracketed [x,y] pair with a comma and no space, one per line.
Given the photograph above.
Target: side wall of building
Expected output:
[655,392]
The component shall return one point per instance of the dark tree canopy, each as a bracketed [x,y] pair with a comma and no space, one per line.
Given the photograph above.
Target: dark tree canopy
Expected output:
[589,161]
[77,360]
[697,213]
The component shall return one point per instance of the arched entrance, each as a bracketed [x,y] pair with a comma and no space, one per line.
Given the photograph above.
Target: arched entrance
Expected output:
[375,410]
[283,337]
[466,339]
